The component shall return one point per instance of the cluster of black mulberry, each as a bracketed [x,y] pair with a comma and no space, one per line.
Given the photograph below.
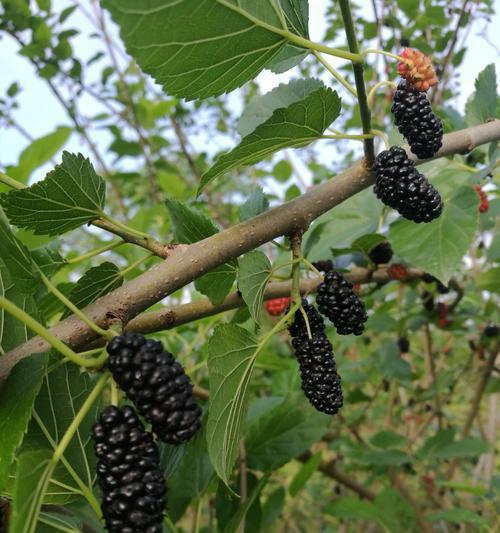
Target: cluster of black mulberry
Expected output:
[156,384]
[340,304]
[400,186]
[128,471]
[415,120]
[128,468]
[320,380]
[397,182]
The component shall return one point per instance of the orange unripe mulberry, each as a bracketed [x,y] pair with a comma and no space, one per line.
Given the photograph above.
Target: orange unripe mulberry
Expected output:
[417,68]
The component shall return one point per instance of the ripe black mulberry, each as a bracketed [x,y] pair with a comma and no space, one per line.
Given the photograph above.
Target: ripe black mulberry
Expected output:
[399,185]
[381,254]
[128,471]
[416,122]
[156,384]
[337,301]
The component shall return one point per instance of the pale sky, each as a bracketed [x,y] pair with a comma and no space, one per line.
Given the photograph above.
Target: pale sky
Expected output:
[40,113]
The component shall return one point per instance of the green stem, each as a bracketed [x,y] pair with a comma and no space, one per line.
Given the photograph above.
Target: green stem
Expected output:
[93,253]
[353,137]
[336,74]
[384,137]
[292,37]
[35,326]
[170,524]
[11,182]
[296,241]
[67,437]
[86,492]
[74,309]
[131,267]
[373,91]
[364,53]
[310,266]
[364,110]
[114,393]
[125,228]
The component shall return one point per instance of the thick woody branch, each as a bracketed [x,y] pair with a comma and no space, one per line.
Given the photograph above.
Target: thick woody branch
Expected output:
[188,263]
[172,317]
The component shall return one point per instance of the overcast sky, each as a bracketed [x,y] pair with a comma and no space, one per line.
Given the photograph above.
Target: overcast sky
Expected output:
[40,113]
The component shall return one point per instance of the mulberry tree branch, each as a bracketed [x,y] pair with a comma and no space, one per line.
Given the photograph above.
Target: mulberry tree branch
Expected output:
[185,264]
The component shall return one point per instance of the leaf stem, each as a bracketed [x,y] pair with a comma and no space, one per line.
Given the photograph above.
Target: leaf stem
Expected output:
[125,228]
[114,393]
[383,136]
[336,74]
[296,241]
[64,443]
[353,137]
[11,182]
[93,253]
[74,309]
[364,110]
[373,91]
[133,265]
[310,266]
[86,492]
[294,38]
[364,53]
[40,330]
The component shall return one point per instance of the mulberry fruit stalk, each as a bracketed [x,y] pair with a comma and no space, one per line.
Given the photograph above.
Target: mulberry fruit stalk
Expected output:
[320,381]
[128,471]
[338,302]
[399,185]
[416,122]
[156,384]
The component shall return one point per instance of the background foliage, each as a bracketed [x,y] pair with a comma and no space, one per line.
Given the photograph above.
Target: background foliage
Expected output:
[403,454]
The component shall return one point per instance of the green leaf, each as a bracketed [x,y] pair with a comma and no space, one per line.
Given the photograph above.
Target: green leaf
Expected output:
[63,392]
[255,204]
[388,439]
[482,105]
[217,283]
[341,226]
[395,511]
[438,247]
[13,332]
[96,282]
[353,508]
[39,152]
[243,509]
[31,472]
[191,476]
[304,474]
[17,397]
[366,243]
[192,225]
[464,448]
[283,433]
[197,61]
[70,195]
[391,457]
[261,108]
[291,126]
[189,224]
[254,274]
[48,258]
[17,259]
[457,515]
[490,280]
[231,357]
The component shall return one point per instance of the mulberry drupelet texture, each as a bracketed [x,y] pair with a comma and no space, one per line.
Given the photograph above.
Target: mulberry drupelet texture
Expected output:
[128,471]
[320,381]
[416,122]
[399,185]
[156,384]
[337,301]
